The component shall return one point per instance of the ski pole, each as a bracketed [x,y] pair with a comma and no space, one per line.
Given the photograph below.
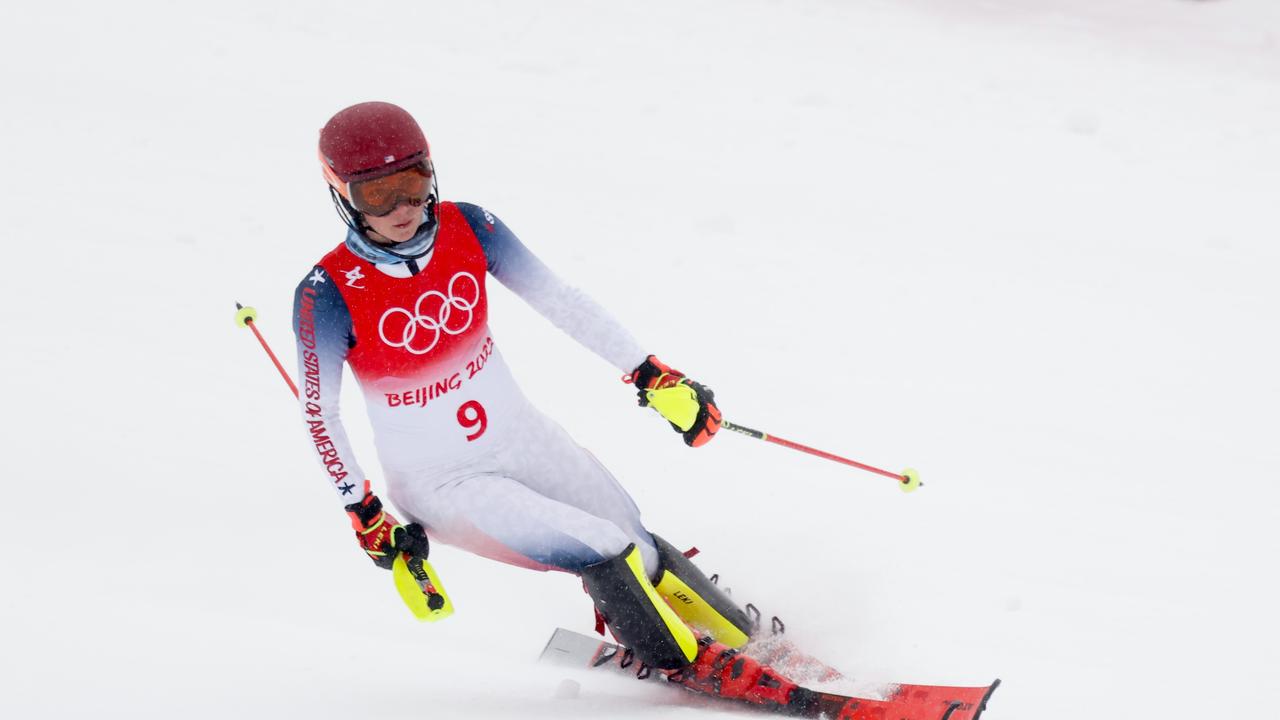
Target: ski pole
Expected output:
[416,581]
[908,479]
[244,318]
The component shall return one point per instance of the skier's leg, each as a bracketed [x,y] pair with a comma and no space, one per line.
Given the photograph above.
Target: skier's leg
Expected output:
[545,458]
[554,465]
[698,600]
[497,517]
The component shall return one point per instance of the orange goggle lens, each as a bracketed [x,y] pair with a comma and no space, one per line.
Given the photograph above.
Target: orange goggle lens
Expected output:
[380,196]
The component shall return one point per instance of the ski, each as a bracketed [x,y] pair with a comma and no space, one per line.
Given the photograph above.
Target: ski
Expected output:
[902,702]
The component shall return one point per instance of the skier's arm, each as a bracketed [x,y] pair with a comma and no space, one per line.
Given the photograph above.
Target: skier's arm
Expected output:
[322,326]
[570,309]
[689,406]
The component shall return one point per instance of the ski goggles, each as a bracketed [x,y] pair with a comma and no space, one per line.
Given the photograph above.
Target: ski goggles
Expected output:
[380,196]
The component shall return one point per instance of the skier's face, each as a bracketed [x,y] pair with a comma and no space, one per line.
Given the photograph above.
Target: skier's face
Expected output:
[396,226]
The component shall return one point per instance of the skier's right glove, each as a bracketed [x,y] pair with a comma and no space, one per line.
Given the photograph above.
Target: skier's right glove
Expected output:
[381,536]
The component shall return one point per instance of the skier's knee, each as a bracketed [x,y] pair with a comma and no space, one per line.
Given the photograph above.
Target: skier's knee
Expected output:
[639,618]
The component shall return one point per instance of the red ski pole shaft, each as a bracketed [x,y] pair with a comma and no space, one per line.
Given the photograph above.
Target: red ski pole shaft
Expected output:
[245,317]
[908,479]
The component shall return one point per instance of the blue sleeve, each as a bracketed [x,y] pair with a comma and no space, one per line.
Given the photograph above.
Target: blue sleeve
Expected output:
[570,309]
[508,259]
[322,328]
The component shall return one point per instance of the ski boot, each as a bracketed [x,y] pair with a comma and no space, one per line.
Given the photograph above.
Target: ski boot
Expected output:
[639,618]
[697,599]
[643,622]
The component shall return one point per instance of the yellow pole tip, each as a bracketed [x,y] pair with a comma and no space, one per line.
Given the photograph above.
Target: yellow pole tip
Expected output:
[246,315]
[912,480]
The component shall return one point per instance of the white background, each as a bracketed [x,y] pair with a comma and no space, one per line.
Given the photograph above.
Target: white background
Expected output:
[1028,247]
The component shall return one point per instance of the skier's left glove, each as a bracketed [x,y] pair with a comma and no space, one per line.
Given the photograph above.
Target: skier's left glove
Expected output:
[381,536]
[689,406]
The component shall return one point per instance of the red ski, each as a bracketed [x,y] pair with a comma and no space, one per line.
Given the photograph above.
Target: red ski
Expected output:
[903,702]
[910,702]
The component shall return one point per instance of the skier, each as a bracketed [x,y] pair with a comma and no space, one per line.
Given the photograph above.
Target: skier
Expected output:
[467,459]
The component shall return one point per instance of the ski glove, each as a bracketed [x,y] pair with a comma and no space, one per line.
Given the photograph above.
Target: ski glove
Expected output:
[381,536]
[689,406]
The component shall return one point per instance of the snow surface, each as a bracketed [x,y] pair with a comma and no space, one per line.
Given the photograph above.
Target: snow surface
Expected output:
[1026,246]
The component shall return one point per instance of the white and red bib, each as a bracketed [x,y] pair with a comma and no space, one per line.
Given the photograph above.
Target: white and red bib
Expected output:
[436,388]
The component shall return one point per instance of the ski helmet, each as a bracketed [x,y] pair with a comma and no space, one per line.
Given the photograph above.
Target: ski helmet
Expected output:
[365,142]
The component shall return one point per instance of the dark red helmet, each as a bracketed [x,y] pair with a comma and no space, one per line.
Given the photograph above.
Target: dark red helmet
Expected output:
[368,141]
[365,143]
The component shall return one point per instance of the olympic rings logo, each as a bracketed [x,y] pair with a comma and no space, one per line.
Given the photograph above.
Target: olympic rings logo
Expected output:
[433,313]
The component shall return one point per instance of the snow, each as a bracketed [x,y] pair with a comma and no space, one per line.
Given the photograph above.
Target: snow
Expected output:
[1026,246]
